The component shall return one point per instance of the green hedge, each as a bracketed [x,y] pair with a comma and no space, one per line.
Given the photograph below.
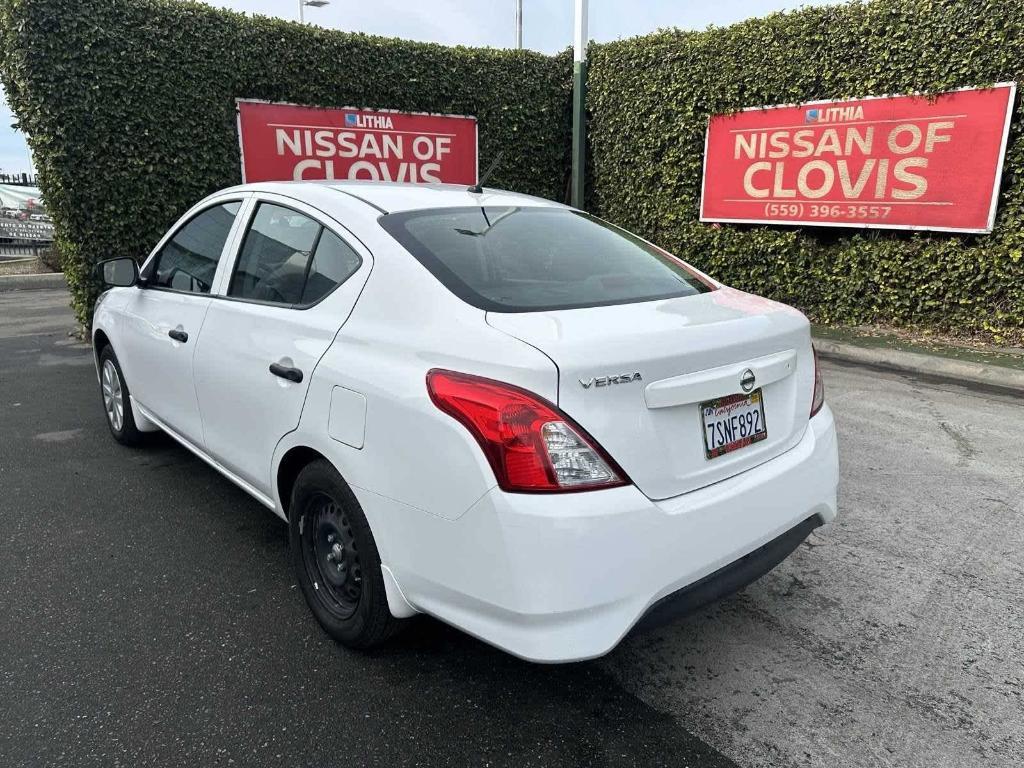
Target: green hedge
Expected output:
[129,107]
[650,99]
[129,110]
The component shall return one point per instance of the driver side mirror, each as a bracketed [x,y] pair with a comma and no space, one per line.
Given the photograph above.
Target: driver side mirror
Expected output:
[118,273]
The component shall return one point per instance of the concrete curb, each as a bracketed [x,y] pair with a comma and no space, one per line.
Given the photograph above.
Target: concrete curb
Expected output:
[959,371]
[32,282]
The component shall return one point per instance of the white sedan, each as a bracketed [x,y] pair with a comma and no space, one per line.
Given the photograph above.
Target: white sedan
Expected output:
[482,406]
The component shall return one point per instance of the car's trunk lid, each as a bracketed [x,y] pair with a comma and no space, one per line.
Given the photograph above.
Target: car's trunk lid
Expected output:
[687,351]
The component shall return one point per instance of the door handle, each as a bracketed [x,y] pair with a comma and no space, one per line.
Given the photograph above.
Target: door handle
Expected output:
[178,335]
[292,374]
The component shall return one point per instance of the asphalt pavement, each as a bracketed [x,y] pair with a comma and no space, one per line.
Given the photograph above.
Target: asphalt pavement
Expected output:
[148,614]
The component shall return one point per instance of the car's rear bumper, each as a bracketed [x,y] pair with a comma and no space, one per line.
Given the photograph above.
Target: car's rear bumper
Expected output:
[564,577]
[729,578]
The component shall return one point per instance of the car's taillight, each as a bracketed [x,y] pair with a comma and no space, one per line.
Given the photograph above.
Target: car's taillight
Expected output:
[530,444]
[818,398]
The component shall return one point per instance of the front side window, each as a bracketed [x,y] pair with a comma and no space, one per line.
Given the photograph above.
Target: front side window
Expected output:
[288,258]
[188,261]
[506,259]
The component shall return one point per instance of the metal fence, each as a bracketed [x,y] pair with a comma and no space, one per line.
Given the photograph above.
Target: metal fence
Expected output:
[11,248]
[20,179]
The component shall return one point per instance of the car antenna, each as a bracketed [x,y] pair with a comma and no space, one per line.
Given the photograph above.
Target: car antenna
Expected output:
[478,188]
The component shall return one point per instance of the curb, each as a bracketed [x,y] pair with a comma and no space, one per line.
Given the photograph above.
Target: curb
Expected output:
[32,282]
[957,371]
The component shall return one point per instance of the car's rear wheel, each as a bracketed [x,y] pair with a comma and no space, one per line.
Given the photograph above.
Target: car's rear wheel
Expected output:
[117,403]
[336,559]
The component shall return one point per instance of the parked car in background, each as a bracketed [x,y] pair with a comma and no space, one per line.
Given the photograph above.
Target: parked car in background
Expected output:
[478,405]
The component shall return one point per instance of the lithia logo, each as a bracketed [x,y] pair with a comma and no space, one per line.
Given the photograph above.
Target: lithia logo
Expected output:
[604,381]
[834,114]
[381,122]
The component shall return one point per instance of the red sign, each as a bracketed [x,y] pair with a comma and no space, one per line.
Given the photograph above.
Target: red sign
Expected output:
[896,162]
[286,142]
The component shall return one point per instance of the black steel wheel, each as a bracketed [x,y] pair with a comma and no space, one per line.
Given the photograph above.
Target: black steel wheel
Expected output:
[336,560]
[331,556]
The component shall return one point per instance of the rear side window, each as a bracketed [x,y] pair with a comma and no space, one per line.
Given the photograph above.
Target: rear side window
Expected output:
[507,259]
[275,253]
[333,263]
[290,259]
[188,261]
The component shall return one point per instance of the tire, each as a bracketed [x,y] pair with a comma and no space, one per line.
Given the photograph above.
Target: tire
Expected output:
[117,404]
[336,559]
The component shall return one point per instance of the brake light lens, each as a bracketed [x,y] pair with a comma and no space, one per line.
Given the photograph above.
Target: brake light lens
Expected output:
[531,445]
[818,398]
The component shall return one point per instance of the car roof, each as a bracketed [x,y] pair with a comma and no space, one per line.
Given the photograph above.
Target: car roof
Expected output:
[392,197]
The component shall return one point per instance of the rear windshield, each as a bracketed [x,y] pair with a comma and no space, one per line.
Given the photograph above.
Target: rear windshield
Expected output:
[507,259]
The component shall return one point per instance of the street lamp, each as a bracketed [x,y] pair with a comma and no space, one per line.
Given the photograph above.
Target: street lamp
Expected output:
[311,4]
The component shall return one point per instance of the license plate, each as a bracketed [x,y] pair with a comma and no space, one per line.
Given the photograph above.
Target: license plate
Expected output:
[732,422]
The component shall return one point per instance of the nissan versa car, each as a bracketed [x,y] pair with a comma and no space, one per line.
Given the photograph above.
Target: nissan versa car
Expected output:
[477,405]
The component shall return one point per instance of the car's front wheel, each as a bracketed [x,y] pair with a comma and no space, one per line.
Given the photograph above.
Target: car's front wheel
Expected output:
[336,559]
[116,401]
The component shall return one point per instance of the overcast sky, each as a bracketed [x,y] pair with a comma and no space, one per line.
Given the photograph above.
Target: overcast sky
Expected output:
[547,26]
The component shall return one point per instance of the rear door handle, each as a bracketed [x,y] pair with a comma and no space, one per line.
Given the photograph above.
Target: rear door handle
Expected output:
[292,374]
[178,335]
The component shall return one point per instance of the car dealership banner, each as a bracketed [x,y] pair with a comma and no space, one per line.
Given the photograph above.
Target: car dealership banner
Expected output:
[900,162]
[14,196]
[287,142]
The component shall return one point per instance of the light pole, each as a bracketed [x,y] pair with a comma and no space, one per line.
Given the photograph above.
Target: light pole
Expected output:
[311,4]
[579,103]
[519,25]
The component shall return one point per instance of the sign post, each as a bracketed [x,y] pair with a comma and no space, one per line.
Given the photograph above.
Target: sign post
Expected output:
[519,25]
[579,102]
[892,162]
